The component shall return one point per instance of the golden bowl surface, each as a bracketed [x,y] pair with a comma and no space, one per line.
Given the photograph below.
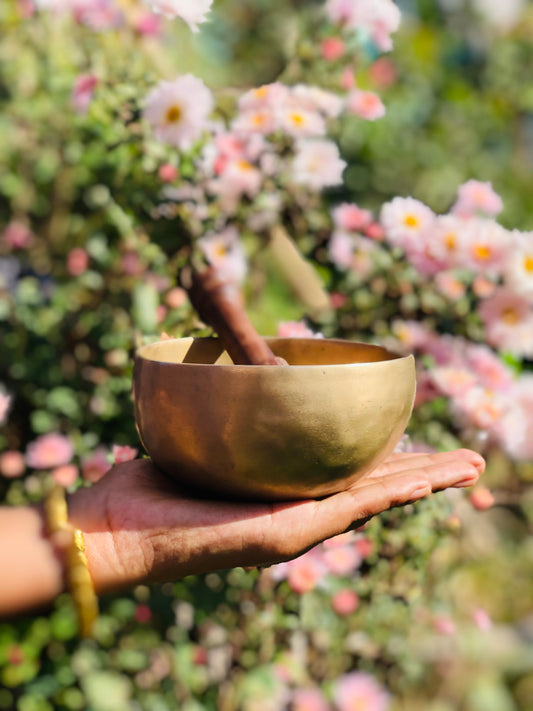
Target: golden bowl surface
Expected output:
[304,430]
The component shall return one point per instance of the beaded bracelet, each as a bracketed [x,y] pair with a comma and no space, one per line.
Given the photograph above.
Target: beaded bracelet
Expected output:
[79,583]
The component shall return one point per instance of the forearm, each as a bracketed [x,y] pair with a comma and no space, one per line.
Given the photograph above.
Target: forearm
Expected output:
[32,567]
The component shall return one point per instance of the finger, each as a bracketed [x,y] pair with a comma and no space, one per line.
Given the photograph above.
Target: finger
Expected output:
[404,461]
[352,507]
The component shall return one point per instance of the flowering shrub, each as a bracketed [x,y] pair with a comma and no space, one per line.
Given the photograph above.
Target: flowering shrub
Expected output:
[122,167]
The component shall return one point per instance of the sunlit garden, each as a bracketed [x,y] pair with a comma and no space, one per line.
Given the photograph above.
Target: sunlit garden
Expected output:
[391,145]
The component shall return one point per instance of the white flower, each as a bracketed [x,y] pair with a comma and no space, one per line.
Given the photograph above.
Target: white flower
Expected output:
[178,110]
[223,250]
[314,98]
[192,12]
[298,122]
[407,222]
[317,164]
[518,266]
[378,18]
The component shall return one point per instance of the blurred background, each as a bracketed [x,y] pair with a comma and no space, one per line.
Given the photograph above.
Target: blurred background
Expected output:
[433,610]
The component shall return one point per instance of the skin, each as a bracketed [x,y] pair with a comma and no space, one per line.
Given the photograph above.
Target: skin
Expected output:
[140,527]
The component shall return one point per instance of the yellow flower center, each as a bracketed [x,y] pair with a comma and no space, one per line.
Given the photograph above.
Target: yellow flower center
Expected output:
[173,114]
[221,251]
[411,221]
[450,241]
[258,119]
[482,252]
[244,165]
[528,263]
[260,92]
[297,119]
[510,316]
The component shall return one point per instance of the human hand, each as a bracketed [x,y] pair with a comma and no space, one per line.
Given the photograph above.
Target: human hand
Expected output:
[141,527]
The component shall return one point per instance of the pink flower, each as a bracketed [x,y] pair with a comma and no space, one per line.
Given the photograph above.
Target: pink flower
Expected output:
[77,261]
[350,217]
[365,104]
[295,329]
[347,80]
[483,287]
[123,453]
[481,498]
[508,321]
[12,464]
[131,263]
[65,475]
[237,178]
[375,232]
[193,13]
[178,110]
[484,246]
[377,18]
[345,601]
[167,173]
[487,366]
[342,560]
[176,298]
[5,404]
[94,466]
[359,691]
[17,235]
[475,197]
[482,619]
[341,248]
[304,573]
[317,164]
[49,451]
[383,72]
[308,700]
[449,285]
[332,48]
[83,91]
[147,24]
[444,625]
[364,546]
[99,15]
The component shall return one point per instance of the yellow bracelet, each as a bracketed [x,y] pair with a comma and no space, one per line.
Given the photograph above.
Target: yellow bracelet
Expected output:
[79,581]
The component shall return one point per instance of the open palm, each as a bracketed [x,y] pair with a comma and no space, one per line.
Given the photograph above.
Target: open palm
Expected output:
[142,527]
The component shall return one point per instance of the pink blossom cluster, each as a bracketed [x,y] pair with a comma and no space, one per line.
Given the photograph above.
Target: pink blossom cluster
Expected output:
[353,691]
[378,19]
[468,248]
[99,15]
[340,556]
[351,242]
[484,393]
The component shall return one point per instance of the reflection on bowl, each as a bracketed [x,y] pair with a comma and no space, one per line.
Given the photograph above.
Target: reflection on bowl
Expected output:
[307,429]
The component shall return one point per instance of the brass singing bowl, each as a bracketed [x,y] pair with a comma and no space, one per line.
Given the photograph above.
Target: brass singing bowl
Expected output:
[268,432]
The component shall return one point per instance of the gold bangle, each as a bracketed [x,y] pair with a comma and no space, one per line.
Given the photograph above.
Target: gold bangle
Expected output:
[79,582]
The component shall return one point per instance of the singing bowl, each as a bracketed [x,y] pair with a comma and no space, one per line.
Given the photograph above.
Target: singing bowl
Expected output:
[268,432]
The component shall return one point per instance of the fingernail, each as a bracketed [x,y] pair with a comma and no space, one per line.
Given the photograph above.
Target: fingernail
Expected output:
[469,481]
[420,491]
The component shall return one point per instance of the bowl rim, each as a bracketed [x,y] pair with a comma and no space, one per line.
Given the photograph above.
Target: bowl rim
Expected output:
[391,355]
